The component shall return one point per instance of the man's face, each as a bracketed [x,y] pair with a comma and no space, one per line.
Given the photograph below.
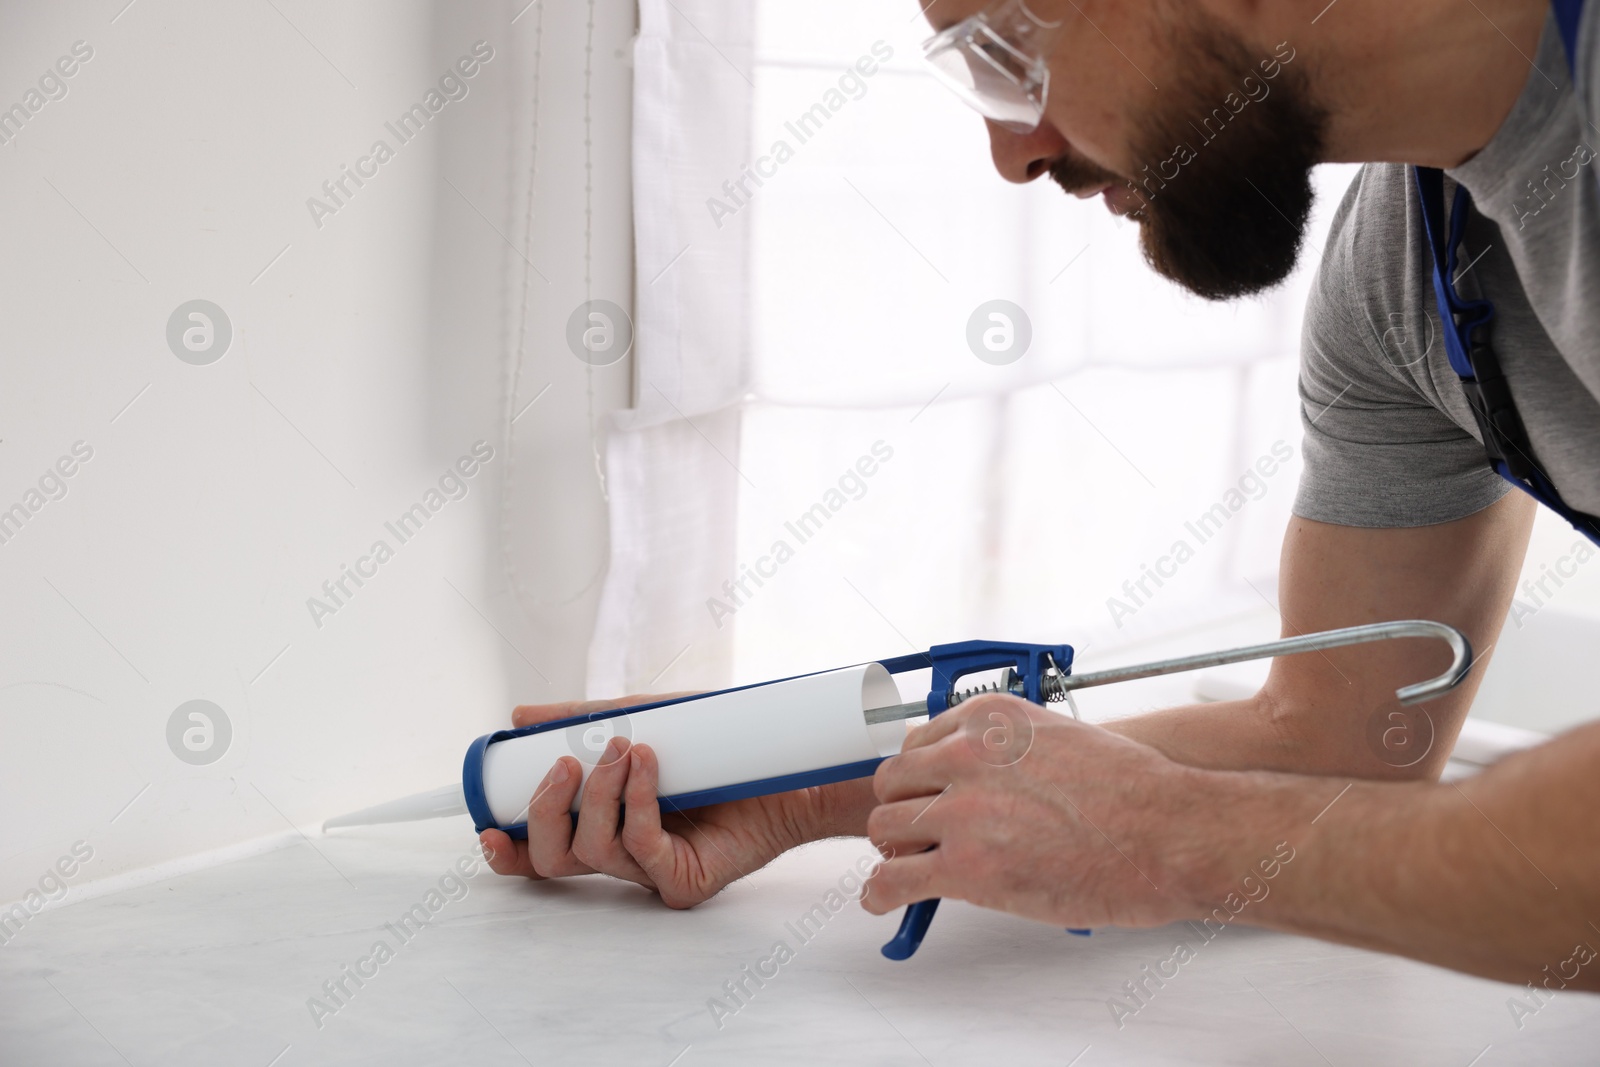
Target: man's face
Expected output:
[1168,113]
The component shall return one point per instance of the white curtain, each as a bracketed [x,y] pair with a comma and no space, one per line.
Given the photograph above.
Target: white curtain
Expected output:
[827,326]
[672,460]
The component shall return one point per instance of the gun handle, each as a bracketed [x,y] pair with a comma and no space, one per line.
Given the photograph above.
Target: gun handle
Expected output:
[912,929]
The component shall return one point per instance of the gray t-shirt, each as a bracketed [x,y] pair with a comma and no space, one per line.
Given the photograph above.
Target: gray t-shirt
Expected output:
[1389,439]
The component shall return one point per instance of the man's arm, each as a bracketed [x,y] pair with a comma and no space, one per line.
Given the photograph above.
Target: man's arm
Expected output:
[1498,875]
[1314,714]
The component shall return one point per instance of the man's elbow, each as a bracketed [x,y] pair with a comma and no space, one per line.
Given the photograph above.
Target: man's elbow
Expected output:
[1386,742]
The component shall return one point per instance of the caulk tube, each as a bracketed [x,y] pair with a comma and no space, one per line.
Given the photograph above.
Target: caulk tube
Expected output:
[736,743]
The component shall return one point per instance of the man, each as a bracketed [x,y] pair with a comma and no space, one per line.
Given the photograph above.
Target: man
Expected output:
[1201,120]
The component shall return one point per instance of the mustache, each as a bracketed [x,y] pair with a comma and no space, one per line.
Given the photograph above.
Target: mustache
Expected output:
[1075,175]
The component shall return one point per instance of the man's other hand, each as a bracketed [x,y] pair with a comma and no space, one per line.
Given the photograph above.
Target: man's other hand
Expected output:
[685,857]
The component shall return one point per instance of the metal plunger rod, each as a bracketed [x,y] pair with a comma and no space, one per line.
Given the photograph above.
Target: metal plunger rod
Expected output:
[1460,664]
[895,712]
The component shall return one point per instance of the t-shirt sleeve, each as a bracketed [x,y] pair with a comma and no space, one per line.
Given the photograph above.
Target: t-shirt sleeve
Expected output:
[1378,449]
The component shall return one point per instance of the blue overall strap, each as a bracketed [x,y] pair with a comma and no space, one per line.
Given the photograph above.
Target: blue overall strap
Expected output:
[1466,326]
[1568,13]
[1462,319]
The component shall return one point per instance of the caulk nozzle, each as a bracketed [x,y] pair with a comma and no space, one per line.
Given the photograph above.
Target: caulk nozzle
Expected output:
[434,804]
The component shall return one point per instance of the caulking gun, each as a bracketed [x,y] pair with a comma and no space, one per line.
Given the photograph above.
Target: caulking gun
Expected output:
[814,729]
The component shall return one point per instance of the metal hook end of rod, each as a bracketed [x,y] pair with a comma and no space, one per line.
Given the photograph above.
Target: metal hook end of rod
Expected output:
[1460,664]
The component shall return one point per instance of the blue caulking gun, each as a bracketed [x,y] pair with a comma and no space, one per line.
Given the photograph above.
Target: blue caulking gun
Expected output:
[814,729]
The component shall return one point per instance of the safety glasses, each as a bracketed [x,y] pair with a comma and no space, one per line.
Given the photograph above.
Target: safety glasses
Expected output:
[996,61]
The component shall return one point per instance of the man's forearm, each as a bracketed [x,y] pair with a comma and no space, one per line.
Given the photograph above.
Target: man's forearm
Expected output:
[1227,736]
[1296,735]
[1498,875]
[1313,715]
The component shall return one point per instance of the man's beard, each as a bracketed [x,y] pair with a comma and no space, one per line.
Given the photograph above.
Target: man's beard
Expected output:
[1230,221]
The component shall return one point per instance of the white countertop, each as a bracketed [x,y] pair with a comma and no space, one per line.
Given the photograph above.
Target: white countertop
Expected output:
[215,968]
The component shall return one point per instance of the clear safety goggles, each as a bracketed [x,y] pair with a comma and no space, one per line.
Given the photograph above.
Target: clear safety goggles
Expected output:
[996,61]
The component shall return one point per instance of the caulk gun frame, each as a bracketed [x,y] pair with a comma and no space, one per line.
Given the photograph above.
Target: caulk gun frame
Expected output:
[1460,664]
[1460,647]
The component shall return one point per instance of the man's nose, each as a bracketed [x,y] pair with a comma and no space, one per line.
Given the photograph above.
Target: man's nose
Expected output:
[1022,157]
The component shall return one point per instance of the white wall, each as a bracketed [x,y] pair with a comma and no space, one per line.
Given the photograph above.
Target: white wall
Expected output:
[366,358]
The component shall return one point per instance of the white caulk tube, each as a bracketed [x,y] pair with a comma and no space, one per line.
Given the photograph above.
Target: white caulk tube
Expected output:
[743,742]
[737,743]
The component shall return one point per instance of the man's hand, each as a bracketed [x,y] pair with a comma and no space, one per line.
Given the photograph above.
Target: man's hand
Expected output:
[686,857]
[1032,813]
[1035,814]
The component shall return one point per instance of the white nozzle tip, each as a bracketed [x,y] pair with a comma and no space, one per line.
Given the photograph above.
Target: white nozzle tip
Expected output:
[434,804]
